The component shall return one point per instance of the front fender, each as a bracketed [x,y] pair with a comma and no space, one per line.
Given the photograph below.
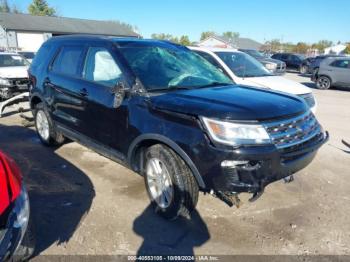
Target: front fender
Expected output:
[165,140]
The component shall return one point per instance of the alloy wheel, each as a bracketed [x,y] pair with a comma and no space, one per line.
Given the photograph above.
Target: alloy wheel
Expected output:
[159,182]
[323,82]
[42,125]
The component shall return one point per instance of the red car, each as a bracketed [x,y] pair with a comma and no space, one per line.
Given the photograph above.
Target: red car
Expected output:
[16,239]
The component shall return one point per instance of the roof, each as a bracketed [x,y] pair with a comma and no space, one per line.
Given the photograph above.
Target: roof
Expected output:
[121,41]
[63,25]
[214,49]
[242,43]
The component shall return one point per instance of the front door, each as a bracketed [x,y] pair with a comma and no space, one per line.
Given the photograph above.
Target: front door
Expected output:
[101,73]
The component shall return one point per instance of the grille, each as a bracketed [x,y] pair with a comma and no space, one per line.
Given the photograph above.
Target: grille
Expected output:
[281,67]
[309,99]
[20,81]
[294,131]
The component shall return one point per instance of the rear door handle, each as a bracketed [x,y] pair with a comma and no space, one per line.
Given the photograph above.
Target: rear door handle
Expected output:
[83,92]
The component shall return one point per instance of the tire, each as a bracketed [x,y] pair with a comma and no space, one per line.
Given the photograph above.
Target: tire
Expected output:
[303,69]
[323,82]
[180,195]
[45,128]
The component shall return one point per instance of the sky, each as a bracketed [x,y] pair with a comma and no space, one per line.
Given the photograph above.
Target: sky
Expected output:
[287,20]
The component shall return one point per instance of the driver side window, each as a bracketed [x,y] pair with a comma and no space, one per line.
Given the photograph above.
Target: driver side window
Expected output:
[100,67]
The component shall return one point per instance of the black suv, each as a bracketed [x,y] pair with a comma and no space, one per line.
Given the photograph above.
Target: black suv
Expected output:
[171,116]
[293,61]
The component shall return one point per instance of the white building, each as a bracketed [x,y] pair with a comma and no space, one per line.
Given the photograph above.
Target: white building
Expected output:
[335,50]
[223,42]
[27,32]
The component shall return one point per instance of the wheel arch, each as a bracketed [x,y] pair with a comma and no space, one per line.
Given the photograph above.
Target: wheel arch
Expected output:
[325,75]
[147,140]
[34,100]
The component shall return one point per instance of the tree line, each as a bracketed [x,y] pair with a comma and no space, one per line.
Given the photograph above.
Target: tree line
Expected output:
[185,40]
[37,7]
[41,7]
[274,45]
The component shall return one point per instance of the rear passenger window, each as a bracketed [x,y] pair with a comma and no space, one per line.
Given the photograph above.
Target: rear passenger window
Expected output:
[100,67]
[341,63]
[68,60]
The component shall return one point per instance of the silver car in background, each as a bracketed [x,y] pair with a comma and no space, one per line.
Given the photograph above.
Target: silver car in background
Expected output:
[333,71]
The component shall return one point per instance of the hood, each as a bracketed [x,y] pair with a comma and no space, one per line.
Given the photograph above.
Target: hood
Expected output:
[14,72]
[269,60]
[230,103]
[278,83]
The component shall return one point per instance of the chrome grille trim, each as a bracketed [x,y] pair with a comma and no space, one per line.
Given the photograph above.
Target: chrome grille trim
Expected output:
[293,131]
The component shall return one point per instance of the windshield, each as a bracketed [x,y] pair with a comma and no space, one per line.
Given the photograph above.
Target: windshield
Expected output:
[301,57]
[243,65]
[254,53]
[12,60]
[165,67]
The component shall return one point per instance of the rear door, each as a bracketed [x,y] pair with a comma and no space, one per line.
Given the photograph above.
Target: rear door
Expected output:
[340,71]
[65,87]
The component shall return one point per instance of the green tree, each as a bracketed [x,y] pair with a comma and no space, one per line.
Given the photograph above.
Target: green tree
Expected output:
[206,34]
[169,37]
[347,49]
[162,36]
[4,6]
[230,35]
[184,40]
[301,48]
[273,45]
[41,7]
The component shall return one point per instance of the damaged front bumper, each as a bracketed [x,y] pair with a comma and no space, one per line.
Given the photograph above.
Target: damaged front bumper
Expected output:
[251,169]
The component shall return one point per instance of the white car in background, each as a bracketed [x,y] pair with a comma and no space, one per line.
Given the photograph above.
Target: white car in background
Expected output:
[14,81]
[246,70]
[13,75]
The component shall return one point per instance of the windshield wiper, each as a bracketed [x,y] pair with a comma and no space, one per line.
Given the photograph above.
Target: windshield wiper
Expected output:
[213,84]
[170,88]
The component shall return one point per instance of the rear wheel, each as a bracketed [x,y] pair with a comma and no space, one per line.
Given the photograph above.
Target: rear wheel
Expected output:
[170,184]
[323,82]
[45,127]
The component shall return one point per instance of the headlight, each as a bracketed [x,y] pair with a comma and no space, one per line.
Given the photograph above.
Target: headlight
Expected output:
[21,210]
[4,82]
[271,66]
[309,99]
[235,133]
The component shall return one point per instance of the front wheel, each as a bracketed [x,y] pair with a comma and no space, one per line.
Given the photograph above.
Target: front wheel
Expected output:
[323,82]
[303,70]
[170,184]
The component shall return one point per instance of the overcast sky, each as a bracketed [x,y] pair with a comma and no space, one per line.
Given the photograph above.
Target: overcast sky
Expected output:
[298,20]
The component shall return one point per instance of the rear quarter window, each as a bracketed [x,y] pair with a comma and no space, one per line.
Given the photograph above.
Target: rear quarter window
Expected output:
[341,63]
[68,60]
[41,58]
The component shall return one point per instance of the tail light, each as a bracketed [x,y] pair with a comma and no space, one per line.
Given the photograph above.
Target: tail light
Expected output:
[10,181]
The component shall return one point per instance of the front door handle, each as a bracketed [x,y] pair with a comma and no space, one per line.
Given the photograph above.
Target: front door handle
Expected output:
[83,92]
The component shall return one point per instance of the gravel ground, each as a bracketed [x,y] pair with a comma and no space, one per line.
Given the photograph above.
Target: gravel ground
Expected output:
[83,203]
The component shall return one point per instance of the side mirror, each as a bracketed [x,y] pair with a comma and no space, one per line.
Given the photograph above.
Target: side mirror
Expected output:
[119,91]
